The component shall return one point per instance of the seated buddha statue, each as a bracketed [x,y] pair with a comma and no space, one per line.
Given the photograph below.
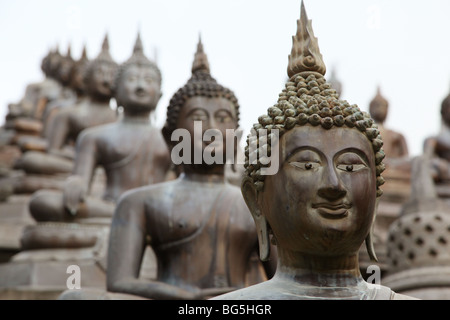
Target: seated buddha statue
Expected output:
[437,148]
[394,143]
[72,93]
[197,225]
[131,151]
[21,118]
[318,205]
[72,225]
[71,76]
[397,175]
[70,121]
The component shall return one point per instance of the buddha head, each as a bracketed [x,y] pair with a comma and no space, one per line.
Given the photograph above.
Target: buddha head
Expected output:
[138,82]
[378,107]
[204,104]
[50,63]
[77,73]
[445,110]
[322,198]
[65,67]
[100,74]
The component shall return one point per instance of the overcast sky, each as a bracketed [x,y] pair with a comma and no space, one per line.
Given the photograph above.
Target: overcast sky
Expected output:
[401,45]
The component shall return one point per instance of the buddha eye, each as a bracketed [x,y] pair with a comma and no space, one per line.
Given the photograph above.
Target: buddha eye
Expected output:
[149,80]
[351,167]
[305,165]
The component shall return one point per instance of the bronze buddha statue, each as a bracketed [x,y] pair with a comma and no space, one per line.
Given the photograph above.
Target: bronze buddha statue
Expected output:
[394,143]
[131,151]
[197,225]
[67,124]
[318,207]
[72,225]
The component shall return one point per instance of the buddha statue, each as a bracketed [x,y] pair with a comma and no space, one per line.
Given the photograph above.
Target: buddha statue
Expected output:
[316,196]
[394,143]
[73,224]
[37,93]
[21,119]
[73,92]
[70,121]
[437,149]
[67,95]
[131,151]
[197,225]
[71,77]
[417,246]
[397,187]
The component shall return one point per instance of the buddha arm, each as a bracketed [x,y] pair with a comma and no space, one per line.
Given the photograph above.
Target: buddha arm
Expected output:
[403,146]
[125,253]
[86,157]
[77,186]
[58,133]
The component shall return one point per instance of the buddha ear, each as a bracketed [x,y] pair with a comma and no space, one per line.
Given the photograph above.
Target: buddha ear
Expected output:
[250,194]
[369,239]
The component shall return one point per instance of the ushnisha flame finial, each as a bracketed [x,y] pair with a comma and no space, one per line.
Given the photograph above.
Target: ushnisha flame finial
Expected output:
[139,58]
[200,59]
[104,54]
[105,44]
[305,55]
[138,47]
[84,53]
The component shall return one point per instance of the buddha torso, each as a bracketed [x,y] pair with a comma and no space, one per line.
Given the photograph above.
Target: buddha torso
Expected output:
[87,115]
[285,289]
[132,154]
[202,233]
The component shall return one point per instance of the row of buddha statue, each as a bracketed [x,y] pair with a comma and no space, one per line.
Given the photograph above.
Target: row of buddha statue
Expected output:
[84,184]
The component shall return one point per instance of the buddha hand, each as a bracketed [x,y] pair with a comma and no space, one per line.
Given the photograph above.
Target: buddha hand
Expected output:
[74,192]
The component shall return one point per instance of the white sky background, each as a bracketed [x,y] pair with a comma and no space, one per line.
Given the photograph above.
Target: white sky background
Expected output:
[401,45]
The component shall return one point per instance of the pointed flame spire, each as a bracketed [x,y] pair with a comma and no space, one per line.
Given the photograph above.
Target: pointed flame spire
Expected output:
[105,44]
[305,55]
[104,54]
[138,55]
[200,59]
[69,52]
[138,47]
[84,53]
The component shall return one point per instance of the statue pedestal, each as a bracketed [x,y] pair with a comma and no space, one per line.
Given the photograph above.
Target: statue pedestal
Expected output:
[96,294]
[426,283]
[14,218]
[396,192]
[42,273]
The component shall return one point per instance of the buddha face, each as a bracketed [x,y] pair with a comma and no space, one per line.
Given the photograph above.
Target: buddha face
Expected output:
[64,70]
[138,89]
[379,111]
[77,77]
[215,115]
[445,113]
[322,199]
[102,78]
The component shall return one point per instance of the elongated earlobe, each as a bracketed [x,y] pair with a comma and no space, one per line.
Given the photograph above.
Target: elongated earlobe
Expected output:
[370,248]
[251,199]
[369,239]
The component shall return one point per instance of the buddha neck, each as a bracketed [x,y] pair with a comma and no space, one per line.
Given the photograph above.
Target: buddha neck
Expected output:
[100,99]
[98,103]
[190,173]
[322,271]
[136,117]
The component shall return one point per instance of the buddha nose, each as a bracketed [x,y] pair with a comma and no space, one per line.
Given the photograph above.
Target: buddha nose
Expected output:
[331,185]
